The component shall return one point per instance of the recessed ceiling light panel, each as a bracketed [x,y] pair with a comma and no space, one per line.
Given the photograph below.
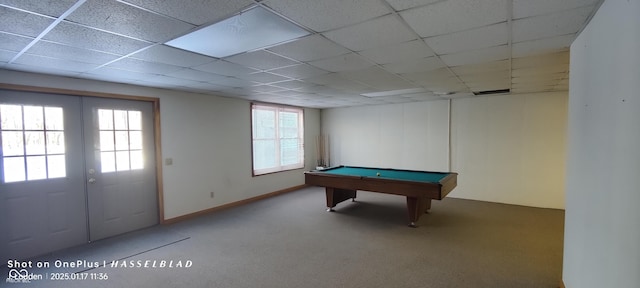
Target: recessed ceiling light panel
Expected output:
[253,29]
[394,92]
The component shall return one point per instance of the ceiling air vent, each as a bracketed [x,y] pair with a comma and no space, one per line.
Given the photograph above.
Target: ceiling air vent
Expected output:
[492,92]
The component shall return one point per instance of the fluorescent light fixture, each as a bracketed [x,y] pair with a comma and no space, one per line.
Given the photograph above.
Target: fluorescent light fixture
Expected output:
[249,30]
[394,92]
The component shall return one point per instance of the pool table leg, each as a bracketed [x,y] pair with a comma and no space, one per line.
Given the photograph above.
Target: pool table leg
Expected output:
[416,206]
[336,195]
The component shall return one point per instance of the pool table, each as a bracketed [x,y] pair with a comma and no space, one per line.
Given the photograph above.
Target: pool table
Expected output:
[420,187]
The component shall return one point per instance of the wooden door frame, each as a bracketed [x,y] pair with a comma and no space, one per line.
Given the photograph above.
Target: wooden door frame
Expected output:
[156,124]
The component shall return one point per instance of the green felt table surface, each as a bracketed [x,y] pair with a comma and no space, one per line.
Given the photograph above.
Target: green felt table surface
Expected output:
[405,175]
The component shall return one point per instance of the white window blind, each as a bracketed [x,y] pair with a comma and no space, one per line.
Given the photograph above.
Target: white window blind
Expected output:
[277,138]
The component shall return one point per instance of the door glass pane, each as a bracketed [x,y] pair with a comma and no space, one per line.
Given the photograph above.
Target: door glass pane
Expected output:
[120,120]
[35,143]
[106,141]
[10,117]
[121,133]
[12,143]
[108,162]
[55,143]
[122,140]
[122,160]
[36,168]
[135,120]
[33,118]
[54,119]
[105,119]
[137,162]
[13,169]
[57,166]
[135,139]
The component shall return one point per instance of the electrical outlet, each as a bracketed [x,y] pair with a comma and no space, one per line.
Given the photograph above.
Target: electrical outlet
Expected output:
[211,194]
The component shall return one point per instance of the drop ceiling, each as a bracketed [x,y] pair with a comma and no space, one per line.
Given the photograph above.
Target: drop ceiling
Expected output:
[440,49]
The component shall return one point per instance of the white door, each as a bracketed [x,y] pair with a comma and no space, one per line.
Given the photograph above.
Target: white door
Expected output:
[42,195]
[57,189]
[120,163]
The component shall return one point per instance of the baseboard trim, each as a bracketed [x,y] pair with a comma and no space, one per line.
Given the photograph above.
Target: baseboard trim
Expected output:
[229,205]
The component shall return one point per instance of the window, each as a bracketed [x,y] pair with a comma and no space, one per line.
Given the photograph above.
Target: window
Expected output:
[32,139]
[120,140]
[277,138]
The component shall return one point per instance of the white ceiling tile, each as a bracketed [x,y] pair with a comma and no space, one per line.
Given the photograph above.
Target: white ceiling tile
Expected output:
[117,75]
[542,70]
[301,71]
[225,68]
[561,23]
[378,79]
[262,77]
[551,77]
[345,62]
[173,56]
[82,37]
[477,56]
[551,59]
[287,93]
[13,42]
[532,89]
[424,97]
[482,67]
[196,75]
[387,30]
[401,52]
[59,64]
[127,20]
[400,5]
[483,37]
[528,8]
[195,12]
[542,46]
[455,15]
[266,88]
[22,23]
[489,85]
[6,56]
[495,76]
[417,65]
[42,70]
[54,50]
[326,15]
[442,74]
[143,66]
[261,59]
[336,82]
[53,8]
[167,81]
[293,84]
[310,48]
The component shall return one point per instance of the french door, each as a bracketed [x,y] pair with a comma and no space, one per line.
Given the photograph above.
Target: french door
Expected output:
[73,170]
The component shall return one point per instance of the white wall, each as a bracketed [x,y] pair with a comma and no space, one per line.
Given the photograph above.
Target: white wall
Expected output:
[208,138]
[602,220]
[407,136]
[497,143]
[510,148]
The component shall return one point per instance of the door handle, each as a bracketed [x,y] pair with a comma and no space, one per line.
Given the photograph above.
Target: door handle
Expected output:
[92,180]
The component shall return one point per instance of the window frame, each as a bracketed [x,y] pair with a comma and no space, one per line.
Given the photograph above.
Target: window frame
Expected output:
[278,108]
